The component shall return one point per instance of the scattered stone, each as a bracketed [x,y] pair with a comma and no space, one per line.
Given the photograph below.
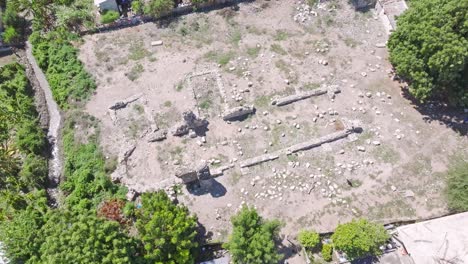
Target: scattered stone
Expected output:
[380,45]
[361,148]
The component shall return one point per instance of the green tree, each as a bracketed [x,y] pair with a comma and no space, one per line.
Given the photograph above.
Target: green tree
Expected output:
[166,230]
[81,237]
[327,250]
[430,49]
[359,238]
[253,239]
[309,239]
[457,186]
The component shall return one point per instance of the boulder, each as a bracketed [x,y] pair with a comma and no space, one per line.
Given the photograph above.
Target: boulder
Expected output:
[187,175]
[203,172]
[193,122]
[158,135]
[180,130]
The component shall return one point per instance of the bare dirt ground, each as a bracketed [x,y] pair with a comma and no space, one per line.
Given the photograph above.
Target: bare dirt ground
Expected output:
[395,165]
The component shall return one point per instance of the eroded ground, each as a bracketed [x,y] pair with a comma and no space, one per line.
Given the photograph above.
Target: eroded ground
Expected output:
[249,57]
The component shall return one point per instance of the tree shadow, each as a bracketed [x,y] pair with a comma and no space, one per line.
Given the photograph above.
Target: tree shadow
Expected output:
[288,249]
[363,6]
[201,130]
[366,260]
[451,117]
[203,187]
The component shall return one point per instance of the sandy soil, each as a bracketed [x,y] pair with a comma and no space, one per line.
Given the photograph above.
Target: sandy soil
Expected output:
[262,44]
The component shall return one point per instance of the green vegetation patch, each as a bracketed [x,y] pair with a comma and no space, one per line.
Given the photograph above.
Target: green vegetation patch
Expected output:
[429,49]
[68,79]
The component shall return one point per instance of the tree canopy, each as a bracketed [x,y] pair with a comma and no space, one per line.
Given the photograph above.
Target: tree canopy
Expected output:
[253,239]
[359,238]
[308,238]
[166,230]
[430,50]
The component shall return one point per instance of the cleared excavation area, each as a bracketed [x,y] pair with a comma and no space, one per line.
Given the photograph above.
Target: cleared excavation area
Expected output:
[294,110]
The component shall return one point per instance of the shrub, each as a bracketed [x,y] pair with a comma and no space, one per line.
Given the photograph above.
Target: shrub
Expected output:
[69,81]
[71,237]
[87,183]
[109,16]
[309,239]
[137,6]
[430,49]
[157,8]
[253,239]
[34,171]
[457,186]
[167,231]
[359,238]
[327,250]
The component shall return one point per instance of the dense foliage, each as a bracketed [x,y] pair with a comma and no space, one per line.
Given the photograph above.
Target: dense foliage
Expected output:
[359,238]
[71,237]
[14,25]
[22,150]
[166,230]
[253,239]
[457,186]
[109,16]
[430,49]
[87,183]
[327,250]
[69,81]
[309,239]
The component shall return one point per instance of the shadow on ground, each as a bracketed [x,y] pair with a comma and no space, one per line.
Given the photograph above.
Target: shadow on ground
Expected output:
[211,186]
[453,118]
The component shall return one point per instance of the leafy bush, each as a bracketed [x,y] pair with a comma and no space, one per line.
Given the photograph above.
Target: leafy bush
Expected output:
[309,239]
[253,239]
[359,238]
[457,186]
[109,16]
[430,49]
[327,250]
[157,8]
[167,231]
[20,133]
[138,6]
[34,171]
[30,138]
[14,24]
[73,15]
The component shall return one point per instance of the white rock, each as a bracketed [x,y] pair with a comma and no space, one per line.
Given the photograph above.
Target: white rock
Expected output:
[156,43]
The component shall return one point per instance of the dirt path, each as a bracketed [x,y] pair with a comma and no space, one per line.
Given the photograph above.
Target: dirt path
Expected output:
[55,163]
